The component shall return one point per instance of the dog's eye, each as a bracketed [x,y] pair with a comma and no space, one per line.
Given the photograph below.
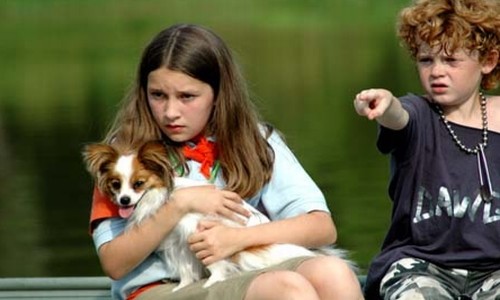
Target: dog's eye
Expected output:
[138,184]
[116,184]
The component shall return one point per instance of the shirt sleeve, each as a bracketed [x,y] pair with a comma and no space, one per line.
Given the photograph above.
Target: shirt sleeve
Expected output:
[403,142]
[102,208]
[291,191]
[107,230]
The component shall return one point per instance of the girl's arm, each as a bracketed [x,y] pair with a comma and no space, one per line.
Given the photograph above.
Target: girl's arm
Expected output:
[381,105]
[293,202]
[311,230]
[122,254]
[215,241]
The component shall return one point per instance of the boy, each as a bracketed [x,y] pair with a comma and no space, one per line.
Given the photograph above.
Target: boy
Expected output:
[443,242]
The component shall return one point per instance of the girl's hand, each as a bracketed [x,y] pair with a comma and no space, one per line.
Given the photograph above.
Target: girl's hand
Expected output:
[208,200]
[373,103]
[214,241]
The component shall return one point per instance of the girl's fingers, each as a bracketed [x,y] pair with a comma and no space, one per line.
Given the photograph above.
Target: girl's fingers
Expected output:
[232,196]
[194,240]
[201,255]
[231,215]
[207,224]
[237,208]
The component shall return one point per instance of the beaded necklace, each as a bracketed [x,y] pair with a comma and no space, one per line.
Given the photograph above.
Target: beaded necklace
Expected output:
[482,164]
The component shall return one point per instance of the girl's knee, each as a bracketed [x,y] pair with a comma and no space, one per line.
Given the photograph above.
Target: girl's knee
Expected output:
[288,281]
[332,278]
[281,285]
[329,268]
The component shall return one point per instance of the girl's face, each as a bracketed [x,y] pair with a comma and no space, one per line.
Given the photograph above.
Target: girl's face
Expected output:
[181,105]
[450,79]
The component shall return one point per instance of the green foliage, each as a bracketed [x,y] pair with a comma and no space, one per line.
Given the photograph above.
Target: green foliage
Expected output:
[67,63]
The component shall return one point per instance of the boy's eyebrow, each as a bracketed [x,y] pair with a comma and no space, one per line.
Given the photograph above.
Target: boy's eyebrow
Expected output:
[424,54]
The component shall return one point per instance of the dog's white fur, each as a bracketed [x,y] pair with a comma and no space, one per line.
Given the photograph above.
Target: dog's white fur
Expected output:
[179,256]
[175,248]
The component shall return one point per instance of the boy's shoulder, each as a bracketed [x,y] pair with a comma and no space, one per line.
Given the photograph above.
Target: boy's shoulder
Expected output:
[411,97]
[415,101]
[495,100]
[494,113]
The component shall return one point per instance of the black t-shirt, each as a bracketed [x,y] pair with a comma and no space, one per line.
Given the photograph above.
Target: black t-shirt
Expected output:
[438,214]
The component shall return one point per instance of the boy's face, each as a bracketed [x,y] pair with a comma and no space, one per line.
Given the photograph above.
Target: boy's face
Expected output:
[450,79]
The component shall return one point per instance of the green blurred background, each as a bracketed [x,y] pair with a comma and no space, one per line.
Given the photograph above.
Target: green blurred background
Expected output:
[66,64]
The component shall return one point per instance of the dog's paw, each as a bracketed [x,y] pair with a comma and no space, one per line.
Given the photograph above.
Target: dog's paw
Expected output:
[211,280]
[180,286]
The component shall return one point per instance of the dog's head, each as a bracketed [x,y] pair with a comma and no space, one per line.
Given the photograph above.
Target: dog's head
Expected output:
[125,175]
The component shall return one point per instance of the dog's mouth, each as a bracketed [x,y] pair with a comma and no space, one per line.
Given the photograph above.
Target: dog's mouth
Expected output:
[126,211]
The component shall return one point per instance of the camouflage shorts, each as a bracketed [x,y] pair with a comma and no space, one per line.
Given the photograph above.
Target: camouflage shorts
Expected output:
[411,278]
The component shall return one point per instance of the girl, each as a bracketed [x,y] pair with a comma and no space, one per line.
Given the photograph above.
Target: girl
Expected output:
[445,158]
[189,93]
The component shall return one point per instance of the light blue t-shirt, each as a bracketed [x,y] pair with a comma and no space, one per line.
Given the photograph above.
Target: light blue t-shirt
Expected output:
[289,193]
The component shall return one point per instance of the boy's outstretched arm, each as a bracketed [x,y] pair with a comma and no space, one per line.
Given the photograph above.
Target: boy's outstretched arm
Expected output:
[381,105]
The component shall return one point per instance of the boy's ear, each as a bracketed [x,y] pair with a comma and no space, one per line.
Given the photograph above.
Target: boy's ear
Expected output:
[490,61]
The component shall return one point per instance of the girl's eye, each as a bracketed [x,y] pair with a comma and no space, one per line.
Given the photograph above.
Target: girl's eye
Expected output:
[138,184]
[186,96]
[157,95]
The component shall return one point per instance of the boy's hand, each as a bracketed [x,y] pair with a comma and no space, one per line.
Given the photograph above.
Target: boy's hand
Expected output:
[372,103]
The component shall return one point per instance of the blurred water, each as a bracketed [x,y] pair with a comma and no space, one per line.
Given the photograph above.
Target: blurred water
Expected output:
[65,68]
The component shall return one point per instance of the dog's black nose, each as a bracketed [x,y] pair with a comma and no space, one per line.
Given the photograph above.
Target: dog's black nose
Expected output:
[125,200]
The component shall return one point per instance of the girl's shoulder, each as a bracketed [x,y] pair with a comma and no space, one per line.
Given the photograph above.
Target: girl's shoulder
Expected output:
[271,134]
[276,140]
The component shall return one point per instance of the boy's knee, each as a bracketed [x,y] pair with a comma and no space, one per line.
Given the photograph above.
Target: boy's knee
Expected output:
[416,287]
[423,293]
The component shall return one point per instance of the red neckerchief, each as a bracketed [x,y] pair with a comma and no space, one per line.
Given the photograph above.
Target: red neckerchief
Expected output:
[204,152]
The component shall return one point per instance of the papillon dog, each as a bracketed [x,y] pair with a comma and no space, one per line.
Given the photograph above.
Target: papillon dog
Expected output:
[139,181]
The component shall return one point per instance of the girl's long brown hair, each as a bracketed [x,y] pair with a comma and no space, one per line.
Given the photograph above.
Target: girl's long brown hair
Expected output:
[245,157]
[454,24]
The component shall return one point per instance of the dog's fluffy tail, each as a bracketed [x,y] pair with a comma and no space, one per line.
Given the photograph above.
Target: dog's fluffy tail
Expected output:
[341,253]
[265,256]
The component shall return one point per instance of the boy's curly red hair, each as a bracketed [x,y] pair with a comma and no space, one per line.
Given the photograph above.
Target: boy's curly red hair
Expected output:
[473,25]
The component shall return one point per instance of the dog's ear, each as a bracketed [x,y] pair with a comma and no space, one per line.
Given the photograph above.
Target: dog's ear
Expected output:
[98,158]
[154,156]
